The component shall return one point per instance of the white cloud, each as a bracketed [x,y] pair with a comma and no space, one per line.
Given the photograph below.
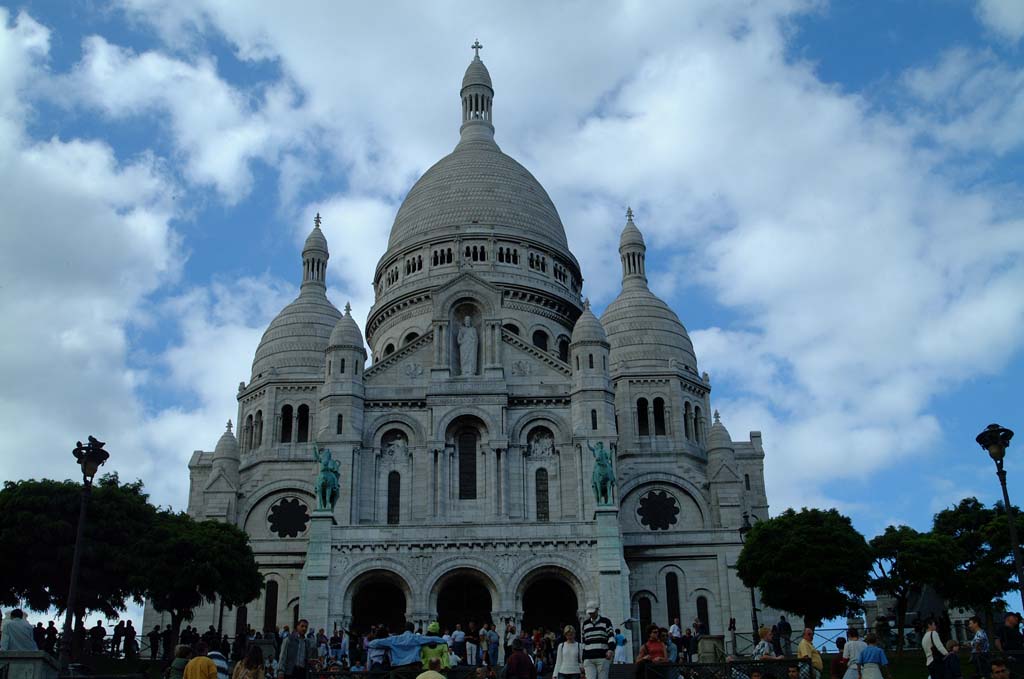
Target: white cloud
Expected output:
[1005,17]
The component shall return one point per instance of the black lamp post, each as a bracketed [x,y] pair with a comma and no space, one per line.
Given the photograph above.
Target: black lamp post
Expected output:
[994,440]
[744,529]
[90,457]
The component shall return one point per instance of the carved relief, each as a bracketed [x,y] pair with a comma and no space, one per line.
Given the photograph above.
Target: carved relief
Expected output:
[540,442]
[521,368]
[394,444]
[412,370]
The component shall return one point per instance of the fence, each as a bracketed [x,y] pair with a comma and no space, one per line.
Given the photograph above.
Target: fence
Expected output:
[735,669]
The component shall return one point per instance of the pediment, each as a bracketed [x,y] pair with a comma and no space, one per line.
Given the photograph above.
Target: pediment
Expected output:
[523,360]
[408,366]
[219,483]
[469,285]
[724,474]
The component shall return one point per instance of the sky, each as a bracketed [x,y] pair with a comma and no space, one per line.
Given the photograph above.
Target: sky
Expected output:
[832,196]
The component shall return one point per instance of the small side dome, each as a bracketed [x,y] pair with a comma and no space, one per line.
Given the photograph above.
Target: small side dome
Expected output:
[227,446]
[588,328]
[718,436]
[346,332]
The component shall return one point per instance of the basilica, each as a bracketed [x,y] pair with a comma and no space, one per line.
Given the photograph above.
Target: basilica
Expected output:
[470,441]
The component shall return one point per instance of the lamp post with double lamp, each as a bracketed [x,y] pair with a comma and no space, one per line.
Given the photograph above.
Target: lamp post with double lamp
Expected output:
[90,457]
[994,440]
[744,529]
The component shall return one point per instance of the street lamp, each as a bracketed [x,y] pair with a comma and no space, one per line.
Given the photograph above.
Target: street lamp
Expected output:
[744,529]
[994,441]
[90,457]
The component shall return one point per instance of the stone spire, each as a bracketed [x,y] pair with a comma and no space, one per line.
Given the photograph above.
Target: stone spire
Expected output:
[477,95]
[314,259]
[633,253]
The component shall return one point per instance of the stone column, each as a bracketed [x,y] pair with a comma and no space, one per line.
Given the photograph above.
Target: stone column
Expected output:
[613,573]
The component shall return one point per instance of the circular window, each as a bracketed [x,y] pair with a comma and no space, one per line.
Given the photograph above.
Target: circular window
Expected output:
[288,517]
[658,510]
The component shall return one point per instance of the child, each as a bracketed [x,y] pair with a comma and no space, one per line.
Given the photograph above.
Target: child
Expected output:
[952,660]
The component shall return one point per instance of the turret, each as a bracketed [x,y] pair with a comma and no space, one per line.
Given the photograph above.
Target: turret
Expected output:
[723,476]
[341,397]
[226,455]
[588,353]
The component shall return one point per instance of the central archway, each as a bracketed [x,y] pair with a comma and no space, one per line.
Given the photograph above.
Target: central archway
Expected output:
[463,597]
[379,599]
[549,602]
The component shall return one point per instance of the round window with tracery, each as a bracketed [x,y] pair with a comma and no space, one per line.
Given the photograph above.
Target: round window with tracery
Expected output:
[658,510]
[288,517]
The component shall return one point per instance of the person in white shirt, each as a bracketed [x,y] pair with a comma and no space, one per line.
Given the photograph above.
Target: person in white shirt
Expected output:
[934,650]
[568,657]
[675,635]
[851,652]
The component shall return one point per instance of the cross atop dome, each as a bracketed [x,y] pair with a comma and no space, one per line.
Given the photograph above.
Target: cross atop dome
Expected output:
[348,308]
[629,213]
[316,221]
[476,47]
[229,425]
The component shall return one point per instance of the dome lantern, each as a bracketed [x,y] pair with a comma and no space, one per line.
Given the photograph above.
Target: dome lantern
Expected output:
[633,252]
[314,258]
[477,97]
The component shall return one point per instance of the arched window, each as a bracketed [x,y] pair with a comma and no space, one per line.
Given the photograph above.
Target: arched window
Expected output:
[410,337]
[577,362]
[542,495]
[512,328]
[672,591]
[270,607]
[643,426]
[563,350]
[697,433]
[644,604]
[247,434]
[340,428]
[540,340]
[659,417]
[389,349]
[746,481]
[286,424]
[342,366]
[590,361]
[467,465]
[394,497]
[593,419]
[258,433]
[702,613]
[303,424]
[687,420]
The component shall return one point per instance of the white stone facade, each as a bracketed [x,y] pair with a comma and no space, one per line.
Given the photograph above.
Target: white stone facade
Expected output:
[466,467]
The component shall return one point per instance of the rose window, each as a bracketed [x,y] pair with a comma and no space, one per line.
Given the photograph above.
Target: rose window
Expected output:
[658,510]
[288,517]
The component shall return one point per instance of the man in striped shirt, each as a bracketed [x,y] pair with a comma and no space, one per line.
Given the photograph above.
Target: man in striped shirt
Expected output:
[598,637]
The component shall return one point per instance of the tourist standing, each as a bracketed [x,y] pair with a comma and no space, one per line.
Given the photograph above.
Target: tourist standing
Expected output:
[952,660]
[51,638]
[519,665]
[39,635]
[96,636]
[1008,637]
[251,667]
[872,661]
[689,645]
[433,650]
[764,649]
[598,637]
[472,644]
[851,652]
[653,650]
[510,636]
[118,637]
[620,647]
[785,635]
[493,641]
[980,656]
[335,643]
[675,634]
[131,647]
[568,656]
[806,649]
[297,653]
[459,641]
[16,633]
[934,651]
[182,656]
[221,661]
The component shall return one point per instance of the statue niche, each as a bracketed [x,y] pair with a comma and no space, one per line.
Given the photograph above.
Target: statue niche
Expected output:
[466,340]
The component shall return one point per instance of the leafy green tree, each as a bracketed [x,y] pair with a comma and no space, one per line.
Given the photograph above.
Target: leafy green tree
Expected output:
[904,562]
[982,568]
[189,563]
[38,521]
[813,563]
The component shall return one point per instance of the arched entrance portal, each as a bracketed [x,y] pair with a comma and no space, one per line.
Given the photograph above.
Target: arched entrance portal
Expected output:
[378,600]
[463,598]
[549,602]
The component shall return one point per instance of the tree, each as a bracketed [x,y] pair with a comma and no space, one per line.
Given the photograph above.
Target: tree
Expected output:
[38,520]
[904,562]
[982,568]
[813,563]
[189,563]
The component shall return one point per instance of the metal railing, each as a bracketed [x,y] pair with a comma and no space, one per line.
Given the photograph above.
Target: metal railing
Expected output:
[733,669]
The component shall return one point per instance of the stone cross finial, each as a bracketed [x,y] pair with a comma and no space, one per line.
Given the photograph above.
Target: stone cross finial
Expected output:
[476,46]
[586,303]
[229,425]
[718,420]
[316,220]
[629,214]
[348,309]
